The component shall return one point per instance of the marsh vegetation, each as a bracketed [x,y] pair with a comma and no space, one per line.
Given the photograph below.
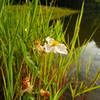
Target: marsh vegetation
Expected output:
[38,60]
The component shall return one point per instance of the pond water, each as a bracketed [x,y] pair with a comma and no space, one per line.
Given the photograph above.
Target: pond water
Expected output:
[91,56]
[90,23]
[91,53]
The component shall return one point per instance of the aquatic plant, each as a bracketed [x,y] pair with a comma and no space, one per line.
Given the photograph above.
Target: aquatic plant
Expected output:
[28,71]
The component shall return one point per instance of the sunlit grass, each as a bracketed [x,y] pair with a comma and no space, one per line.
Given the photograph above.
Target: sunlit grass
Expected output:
[57,12]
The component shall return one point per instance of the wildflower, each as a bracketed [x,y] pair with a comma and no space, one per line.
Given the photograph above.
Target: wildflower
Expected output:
[37,42]
[44,93]
[54,46]
[38,45]
[25,84]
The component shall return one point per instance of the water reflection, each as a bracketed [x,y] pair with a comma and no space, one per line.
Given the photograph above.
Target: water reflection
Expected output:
[90,56]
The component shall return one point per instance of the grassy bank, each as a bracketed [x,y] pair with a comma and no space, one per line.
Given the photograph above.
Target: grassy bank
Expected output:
[28,70]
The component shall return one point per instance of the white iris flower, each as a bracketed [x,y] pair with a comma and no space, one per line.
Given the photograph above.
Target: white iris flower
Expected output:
[54,46]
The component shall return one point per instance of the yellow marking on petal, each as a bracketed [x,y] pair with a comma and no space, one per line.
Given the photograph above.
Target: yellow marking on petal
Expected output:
[54,43]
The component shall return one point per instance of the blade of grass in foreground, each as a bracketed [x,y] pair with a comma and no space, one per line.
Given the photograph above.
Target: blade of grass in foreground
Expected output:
[87,90]
[59,93]
[77,28]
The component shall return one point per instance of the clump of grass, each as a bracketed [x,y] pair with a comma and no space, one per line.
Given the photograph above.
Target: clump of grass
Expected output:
[31,74]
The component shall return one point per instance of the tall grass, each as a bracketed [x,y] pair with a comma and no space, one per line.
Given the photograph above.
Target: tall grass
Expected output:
[19,28]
